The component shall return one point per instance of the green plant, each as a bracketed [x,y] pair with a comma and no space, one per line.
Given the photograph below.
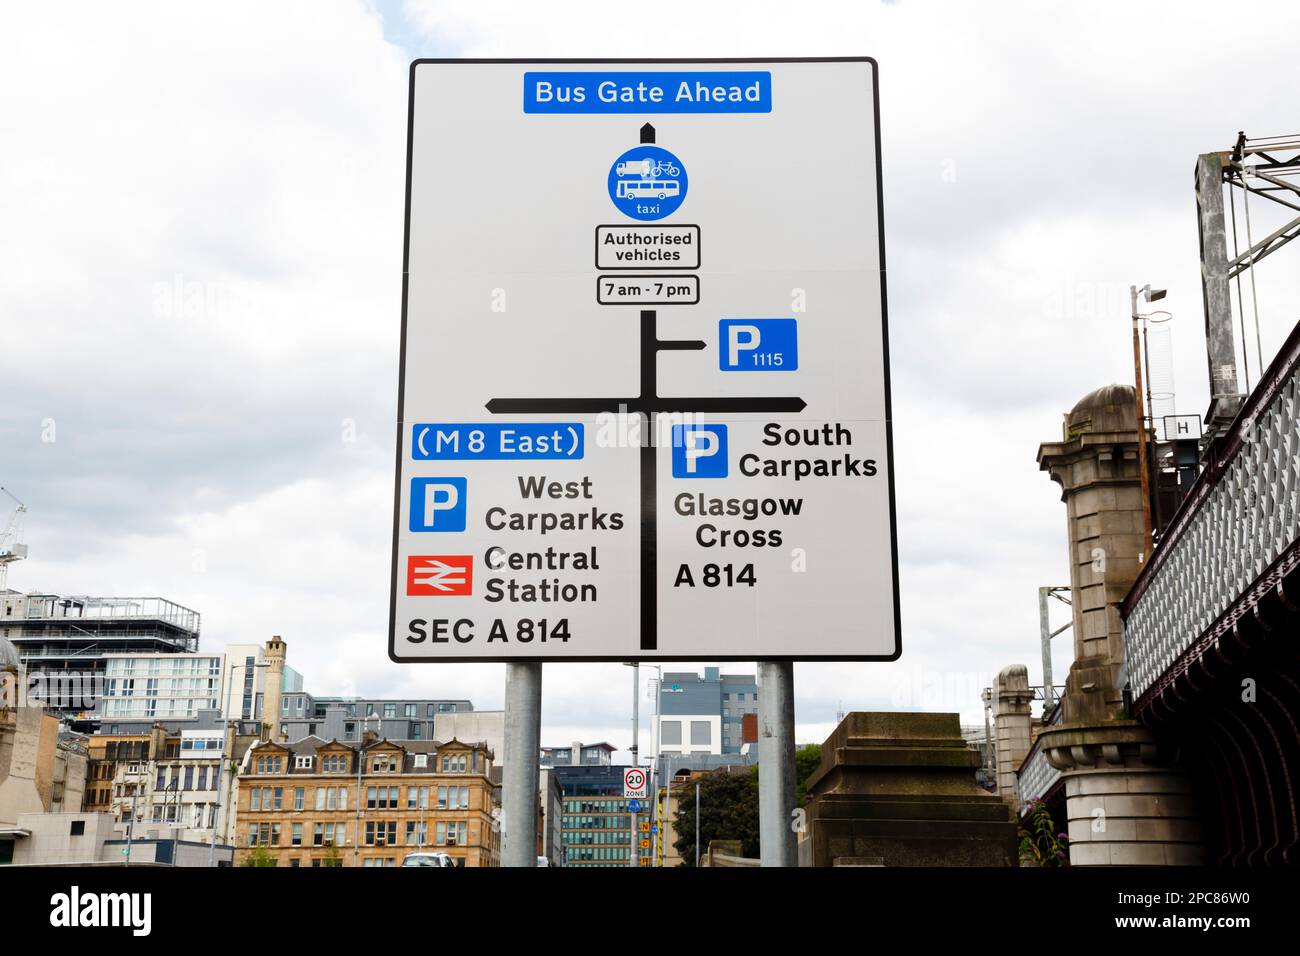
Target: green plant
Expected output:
[728,811]
[258,856]
[1040,842]
[806,761]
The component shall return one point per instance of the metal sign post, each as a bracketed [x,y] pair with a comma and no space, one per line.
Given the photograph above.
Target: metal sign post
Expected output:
[636,787]
[644,408]
[521,770]
[776,783]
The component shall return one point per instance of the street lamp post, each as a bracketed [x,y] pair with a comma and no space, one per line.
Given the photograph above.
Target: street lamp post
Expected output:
[654,766]
[633,850]
[1149,295]
[130,827]
[361,760]
[697,826]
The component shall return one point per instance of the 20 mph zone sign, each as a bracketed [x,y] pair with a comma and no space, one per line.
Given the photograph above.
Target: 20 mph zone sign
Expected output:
[644,406]
[634,782]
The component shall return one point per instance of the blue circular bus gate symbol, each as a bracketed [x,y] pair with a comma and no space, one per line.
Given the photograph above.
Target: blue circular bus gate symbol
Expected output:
[647,183]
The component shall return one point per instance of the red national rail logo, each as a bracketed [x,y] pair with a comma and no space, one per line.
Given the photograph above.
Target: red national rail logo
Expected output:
[439,575]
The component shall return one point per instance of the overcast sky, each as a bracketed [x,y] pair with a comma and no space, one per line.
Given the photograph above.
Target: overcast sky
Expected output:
[200,283]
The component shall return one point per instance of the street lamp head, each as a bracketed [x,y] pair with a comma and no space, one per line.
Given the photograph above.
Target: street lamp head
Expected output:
[1153,295]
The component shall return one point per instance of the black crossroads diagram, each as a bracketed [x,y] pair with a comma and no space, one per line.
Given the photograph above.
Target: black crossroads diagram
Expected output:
[523,528]
[648,403]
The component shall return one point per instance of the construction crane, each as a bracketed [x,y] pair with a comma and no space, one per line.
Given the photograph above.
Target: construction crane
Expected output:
[11,549]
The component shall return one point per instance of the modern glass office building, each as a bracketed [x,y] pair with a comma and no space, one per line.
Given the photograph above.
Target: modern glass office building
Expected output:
[595,823]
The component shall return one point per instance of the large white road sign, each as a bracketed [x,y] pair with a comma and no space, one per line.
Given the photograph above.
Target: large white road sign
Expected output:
[644,407]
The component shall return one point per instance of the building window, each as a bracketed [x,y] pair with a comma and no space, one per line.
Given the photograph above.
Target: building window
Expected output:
[264,834]
[381,833]
[417,833]
[247,711]
[331,798]
[672,732]
[381,798]
[265,798]
[334,763]
[409,710]
[454,833]
[78,828]
[297,798]
[701,732]
[417,798]
[329,834]
[390,711]
[453,798]
[295,838]
[455,763]
[303,762]
[269,764]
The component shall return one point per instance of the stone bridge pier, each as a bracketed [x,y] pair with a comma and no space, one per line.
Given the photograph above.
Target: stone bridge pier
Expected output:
[1128,801]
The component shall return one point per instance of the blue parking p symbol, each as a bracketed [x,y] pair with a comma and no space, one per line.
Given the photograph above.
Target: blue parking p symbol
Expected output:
[699,451]
[438,504]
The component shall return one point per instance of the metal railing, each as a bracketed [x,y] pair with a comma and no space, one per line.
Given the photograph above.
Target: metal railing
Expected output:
[1036,776]
[1240,520]
[37,607]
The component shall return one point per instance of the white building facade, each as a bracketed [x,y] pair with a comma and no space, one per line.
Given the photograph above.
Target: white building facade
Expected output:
[160,686]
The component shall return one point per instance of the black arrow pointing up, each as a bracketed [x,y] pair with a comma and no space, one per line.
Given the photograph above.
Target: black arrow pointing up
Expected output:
[647,133]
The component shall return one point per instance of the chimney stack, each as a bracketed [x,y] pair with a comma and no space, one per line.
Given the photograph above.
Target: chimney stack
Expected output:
[275,650]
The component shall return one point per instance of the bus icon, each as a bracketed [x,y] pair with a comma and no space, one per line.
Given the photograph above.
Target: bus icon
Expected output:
[648,188]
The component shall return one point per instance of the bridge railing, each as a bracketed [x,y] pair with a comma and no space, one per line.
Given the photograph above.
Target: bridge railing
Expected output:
[1036,776]
[1241,518]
